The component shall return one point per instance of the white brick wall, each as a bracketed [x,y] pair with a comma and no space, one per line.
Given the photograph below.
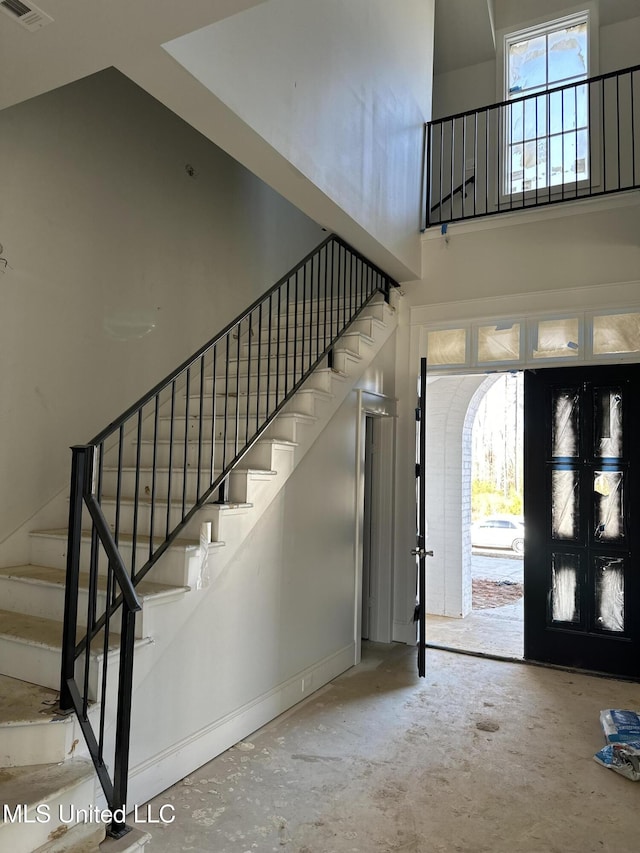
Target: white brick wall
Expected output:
[452,403]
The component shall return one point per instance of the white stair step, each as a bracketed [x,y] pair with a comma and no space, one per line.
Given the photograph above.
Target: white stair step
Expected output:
[178,567]
[39,591]
[283,428]
[129,508]
[133,842]
[321,378]
[304,401]
[162,482]
[52,787]
[236,420]
[81,838]
[32,647]
[305,345]
[31,732]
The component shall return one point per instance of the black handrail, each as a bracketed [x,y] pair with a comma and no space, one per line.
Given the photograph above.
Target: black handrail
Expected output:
[260,359]
[458,189]
[582,139]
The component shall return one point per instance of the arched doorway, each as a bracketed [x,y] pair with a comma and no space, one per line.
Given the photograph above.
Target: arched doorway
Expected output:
[453,403]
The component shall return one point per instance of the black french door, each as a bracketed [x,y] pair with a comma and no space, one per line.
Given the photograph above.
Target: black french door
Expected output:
[582,516]
[421,516]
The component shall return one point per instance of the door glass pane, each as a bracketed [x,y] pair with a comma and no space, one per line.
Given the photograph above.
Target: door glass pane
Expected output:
[499,343]
[448,346]
[565,408]
[565,517]
[565,589]
[558,338]
[616,333]
[607,432]
[608,508]
[609,593]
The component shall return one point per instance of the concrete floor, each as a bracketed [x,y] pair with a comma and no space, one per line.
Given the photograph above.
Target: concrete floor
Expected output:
[481,756]
[497,631]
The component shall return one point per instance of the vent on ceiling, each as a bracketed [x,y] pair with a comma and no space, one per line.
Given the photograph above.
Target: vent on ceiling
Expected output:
[25,14]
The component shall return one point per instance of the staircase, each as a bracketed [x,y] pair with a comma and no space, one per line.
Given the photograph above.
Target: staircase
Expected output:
[180,492]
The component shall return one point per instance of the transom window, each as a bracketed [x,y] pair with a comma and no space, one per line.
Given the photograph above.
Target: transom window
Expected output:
[547,136]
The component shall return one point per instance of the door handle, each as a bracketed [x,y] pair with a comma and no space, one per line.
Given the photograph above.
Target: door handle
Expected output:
[420,552]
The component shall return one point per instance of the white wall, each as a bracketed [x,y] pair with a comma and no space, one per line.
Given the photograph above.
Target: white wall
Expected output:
[283,609]
[107,237]
[341,90]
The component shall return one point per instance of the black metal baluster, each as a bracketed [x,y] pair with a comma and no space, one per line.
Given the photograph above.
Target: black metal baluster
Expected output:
[618,127]
[295,333]
[214,408]
[343,280]
[237,417]
[475,163]
[549,169]
[326,280]
[537,158]
[226,402]
[498,147]
[185,444]
[604,143]
[590,144]
[153,474]
[575,113]
[463,167]
[260,365]
[278,347]
[136,497]
[304,309]
[105,657]
[441,169]
[633,132]
[116,531]
[248,398]
[562,137]
[453,155]
[170,465]
[92,593]
[333,270]
[200,427]
[317,290]
[81,463]
[524,147]
[486,161]
[123,717]
[286,339]
[429,176]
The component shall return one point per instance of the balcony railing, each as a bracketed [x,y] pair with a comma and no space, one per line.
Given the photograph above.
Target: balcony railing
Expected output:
[571,142]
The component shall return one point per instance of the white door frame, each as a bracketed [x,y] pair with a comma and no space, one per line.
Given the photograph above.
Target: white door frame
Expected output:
[383,410]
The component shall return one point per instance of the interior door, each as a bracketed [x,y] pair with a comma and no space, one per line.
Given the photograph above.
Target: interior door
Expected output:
[581,486]
[421,513]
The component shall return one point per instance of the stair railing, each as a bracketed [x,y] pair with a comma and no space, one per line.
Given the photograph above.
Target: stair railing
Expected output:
[567,143]
[175,449]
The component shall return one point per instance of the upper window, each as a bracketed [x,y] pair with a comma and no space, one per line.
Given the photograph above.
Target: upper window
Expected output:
[547,133]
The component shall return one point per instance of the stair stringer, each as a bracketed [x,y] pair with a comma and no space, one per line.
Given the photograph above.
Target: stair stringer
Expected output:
[153,770]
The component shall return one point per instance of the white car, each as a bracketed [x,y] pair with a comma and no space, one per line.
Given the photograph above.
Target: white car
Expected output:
[499,531]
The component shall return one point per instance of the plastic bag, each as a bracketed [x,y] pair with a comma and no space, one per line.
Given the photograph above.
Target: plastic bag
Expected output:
[623,758]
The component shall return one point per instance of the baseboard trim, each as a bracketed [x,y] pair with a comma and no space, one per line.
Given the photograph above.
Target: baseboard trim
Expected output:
[156,774]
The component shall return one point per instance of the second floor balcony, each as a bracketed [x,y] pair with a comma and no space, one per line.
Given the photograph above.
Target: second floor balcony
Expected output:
[571,142]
